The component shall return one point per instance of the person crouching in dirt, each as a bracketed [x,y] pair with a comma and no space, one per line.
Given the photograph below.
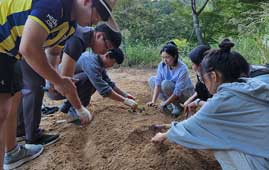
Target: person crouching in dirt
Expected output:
[260,73]
[99,39]
[172,83]
[92,75]
[234,123]
[201,93]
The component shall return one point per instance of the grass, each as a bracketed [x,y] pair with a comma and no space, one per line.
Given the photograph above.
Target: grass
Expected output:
[147,56]
[141,55]
[254,50]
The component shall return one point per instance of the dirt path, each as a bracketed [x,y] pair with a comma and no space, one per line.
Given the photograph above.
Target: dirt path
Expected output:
[117,139]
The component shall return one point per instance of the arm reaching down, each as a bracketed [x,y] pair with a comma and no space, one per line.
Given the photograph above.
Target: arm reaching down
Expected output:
[156,93]
[31,48]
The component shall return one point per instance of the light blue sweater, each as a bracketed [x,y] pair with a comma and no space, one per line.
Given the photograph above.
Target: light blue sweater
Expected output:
[235,118]
[178,75]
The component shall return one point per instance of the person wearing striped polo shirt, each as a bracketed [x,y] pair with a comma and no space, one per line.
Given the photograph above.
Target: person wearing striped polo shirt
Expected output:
[27,28]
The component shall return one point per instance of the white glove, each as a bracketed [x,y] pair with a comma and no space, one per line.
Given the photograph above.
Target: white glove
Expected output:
[84,114]
[130,102]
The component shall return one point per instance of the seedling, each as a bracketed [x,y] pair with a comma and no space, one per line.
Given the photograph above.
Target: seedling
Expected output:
[139,108]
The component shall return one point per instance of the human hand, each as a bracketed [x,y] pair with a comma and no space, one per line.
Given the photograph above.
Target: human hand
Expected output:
[190,109]
[152,104]
[129,96]
[163,107]
[85,115]
[131,103]
[159,137]
[186,103]
[73,79]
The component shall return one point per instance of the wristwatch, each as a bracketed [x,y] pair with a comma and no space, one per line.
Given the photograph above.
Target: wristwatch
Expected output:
[197,101]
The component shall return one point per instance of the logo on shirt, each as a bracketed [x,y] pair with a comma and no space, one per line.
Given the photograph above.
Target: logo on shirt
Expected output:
[51,21]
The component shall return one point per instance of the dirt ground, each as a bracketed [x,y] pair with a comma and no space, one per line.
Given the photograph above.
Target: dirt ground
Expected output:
[117,139]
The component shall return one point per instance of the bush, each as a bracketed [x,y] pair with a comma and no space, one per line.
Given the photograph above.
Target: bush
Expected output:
[141,55]
[147,56]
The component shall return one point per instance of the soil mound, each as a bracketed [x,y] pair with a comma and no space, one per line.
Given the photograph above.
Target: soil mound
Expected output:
[118,139]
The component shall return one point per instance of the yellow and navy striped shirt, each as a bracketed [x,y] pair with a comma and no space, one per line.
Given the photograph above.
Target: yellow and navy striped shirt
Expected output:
[53,16]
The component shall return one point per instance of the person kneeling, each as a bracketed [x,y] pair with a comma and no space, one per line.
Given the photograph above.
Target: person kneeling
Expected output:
[233,123]
[172,83]
[92,75]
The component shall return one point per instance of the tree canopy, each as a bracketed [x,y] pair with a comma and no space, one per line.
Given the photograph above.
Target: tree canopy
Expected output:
[153,22]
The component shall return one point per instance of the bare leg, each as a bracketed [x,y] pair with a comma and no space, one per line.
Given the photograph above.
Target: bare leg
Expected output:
[5,106]
[11,126]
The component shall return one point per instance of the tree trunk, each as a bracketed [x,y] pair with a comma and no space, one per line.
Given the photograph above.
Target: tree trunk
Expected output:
[197,28]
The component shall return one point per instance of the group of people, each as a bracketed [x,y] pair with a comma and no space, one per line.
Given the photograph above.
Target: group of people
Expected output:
[40,43]
[46,44]
[227,113]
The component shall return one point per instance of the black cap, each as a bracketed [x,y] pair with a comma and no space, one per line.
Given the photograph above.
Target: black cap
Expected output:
[114,37]
[117,54]
[197,54]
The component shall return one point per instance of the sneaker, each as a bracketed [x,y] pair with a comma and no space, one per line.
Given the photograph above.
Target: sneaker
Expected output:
[46,139]
[49,110]
[166,109]
[22,138]
[65,107]
[21,154]
[170,107]
[72,113]
[74,116]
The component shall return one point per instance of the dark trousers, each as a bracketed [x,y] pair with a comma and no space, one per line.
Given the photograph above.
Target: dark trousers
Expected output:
[30,108]
[85,89]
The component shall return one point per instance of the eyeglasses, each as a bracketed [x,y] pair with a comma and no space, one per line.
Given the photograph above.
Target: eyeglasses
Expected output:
[108,46]
[201,76]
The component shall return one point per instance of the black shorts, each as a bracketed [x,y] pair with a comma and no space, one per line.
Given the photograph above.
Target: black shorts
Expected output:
[10,74]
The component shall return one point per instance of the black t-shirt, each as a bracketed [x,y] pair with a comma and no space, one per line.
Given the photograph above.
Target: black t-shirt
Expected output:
[258,70]
[202,92]
[79,42]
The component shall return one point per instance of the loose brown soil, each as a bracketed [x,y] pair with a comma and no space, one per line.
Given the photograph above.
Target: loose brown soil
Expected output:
[117,139]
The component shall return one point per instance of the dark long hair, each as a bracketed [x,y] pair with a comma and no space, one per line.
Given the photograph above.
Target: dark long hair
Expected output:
[232,65]
[171,49]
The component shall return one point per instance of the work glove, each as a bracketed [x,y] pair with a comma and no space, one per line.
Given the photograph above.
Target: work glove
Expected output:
[129,96]
[131,103]
[84,115]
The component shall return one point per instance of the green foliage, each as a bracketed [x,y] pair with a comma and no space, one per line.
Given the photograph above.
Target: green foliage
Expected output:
[141,55]
[148,56]
[181,44]
[148,24]
[153,22]
[252,50]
